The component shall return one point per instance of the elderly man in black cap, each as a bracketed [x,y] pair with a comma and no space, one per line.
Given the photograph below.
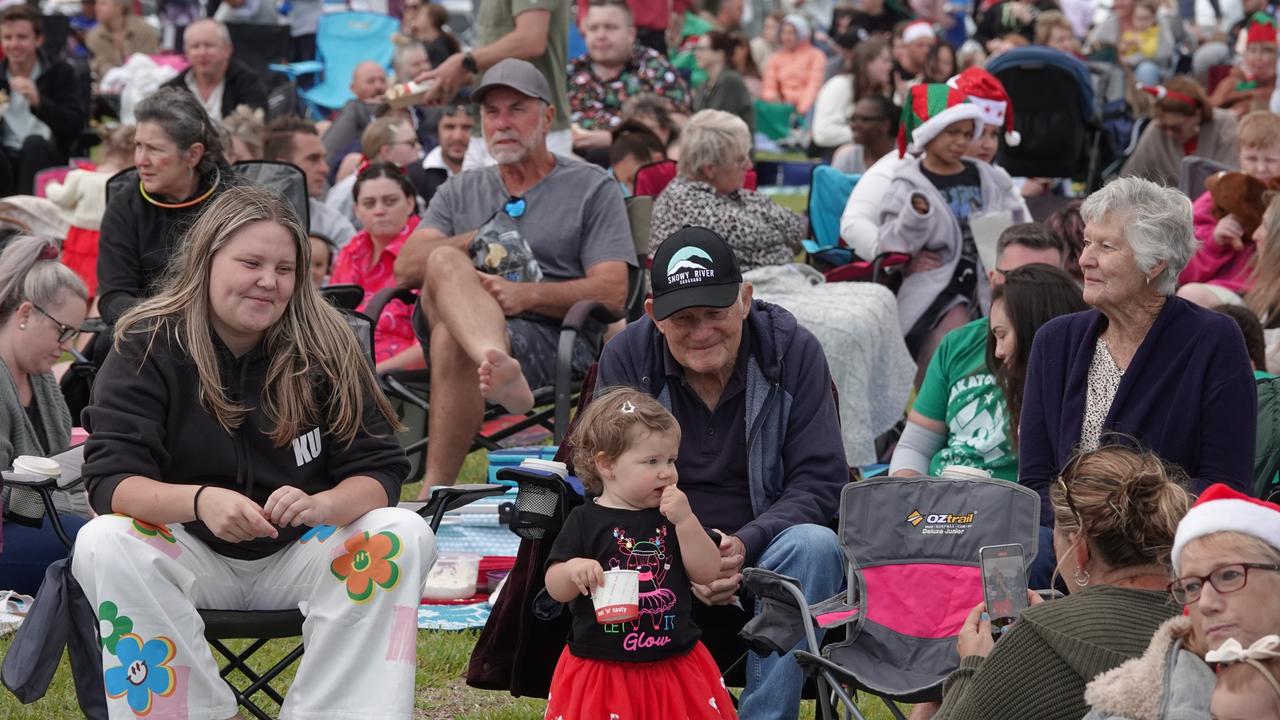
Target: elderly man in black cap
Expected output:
[760,454]
[502,328]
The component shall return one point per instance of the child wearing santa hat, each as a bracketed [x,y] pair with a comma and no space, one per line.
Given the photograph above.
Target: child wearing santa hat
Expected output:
[929,206]
[1249,85]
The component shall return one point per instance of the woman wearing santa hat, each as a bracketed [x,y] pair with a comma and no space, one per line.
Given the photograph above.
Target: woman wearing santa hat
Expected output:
[860,222]
[1226,561]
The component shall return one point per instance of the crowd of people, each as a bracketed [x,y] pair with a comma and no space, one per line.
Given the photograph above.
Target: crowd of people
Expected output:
[1111,346]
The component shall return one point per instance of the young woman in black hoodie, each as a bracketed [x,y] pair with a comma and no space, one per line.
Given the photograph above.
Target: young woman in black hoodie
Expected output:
[242,458]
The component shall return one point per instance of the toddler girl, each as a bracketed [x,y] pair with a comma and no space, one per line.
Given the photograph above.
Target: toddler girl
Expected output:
[1247,688]
[84,193]
[625,448]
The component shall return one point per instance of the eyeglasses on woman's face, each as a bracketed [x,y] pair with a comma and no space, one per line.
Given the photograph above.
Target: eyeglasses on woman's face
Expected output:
[1226,579]
[66,333]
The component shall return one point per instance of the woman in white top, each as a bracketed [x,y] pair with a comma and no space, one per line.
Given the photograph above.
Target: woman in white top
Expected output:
[868,74]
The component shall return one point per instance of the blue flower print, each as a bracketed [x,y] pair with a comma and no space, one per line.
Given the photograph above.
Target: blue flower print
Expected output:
[143,671]
[319,533]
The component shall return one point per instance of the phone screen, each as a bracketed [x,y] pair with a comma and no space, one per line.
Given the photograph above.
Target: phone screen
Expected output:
[1004,583]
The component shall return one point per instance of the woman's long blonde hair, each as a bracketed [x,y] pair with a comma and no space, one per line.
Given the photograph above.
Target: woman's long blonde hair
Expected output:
[1264,298]
[314,357]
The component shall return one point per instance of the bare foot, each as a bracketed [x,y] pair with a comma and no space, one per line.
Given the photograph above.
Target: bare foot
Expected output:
[502,383]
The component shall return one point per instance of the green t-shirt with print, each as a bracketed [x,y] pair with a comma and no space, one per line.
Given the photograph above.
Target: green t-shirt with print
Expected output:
[959,392]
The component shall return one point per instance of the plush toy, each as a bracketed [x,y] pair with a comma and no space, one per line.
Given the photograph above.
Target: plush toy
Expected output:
[1241,195]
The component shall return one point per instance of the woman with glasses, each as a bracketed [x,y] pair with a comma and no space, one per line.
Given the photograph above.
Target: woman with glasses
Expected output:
[1115,511]
[724,89]
[708,192]
[42,305]
[1226,565]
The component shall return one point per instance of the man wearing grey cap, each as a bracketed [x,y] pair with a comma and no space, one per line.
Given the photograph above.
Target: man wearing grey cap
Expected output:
[503,331]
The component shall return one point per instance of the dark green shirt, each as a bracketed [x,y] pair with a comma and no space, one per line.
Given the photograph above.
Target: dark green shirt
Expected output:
[1039,670]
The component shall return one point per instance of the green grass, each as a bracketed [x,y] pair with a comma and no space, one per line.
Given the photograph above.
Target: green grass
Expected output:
[442,693]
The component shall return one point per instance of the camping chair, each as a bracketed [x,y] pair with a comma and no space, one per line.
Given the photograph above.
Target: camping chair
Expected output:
[552,404]
[343,41]
[1194,171]
[829,191]
[912,577]
[653,178]
[260,626]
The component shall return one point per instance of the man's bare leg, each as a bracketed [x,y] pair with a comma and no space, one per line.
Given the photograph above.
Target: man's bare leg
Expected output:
[457,410]
[476,321]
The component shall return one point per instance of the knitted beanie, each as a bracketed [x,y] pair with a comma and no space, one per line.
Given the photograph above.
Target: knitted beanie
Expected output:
[1221,509]
[928,110]
[988,93]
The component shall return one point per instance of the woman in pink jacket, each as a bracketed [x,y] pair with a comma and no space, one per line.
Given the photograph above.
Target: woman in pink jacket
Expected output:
[1221,271]
[794,74]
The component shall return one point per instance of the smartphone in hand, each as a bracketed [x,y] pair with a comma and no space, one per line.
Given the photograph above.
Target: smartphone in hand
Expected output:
[1004,584]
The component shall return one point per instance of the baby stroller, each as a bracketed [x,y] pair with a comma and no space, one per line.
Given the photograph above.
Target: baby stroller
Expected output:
[912,574]
[1053,98]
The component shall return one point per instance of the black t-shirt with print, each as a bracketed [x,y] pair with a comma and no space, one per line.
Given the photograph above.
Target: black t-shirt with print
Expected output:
[963,193]
[640,540]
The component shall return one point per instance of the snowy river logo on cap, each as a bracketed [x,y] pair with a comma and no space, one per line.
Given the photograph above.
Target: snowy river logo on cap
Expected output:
[690,265]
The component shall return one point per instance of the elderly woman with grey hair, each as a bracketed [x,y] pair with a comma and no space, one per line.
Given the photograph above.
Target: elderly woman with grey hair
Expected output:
[708,192]
[1143,365]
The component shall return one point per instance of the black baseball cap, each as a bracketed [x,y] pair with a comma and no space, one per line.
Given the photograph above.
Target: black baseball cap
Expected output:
[694,267]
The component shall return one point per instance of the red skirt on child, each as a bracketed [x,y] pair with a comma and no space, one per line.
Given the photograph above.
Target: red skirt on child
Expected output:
[80,253]
[688,686]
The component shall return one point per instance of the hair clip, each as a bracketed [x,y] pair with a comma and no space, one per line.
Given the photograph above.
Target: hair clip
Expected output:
[364,165]
[628,408]
[1231,651]
[49,252]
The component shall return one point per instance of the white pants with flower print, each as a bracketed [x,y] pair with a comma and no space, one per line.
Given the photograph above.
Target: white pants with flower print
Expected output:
[358,586]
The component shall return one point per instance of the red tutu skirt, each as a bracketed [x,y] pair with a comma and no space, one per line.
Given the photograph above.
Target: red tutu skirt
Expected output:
[682,687]
[80,253]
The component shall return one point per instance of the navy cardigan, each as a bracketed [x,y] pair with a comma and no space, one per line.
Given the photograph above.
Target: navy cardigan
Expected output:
[1188,394]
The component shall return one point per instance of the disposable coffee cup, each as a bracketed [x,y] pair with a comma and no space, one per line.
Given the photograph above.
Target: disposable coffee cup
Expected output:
[36,465]
[551,466]
[963,472]
[618,600]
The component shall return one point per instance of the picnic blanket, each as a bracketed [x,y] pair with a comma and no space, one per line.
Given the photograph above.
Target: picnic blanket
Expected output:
[857,326]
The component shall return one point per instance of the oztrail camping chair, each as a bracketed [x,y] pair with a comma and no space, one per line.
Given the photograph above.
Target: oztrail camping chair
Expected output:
[343,41]
[260,626]
[409,390]
[911,546]
[829,191]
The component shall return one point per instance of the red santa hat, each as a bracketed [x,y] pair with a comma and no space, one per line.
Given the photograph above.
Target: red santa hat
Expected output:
[1262,29]
[1221,509]
[918,30]
[988,93]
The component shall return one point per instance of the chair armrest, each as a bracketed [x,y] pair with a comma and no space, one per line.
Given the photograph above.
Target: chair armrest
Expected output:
[34,482]
[784,618]
[297,69]
[444,499]
[886,262]
[583,310]
[343,297]
[382,298]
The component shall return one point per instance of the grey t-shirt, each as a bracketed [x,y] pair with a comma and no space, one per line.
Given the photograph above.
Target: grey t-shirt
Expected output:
[573,219]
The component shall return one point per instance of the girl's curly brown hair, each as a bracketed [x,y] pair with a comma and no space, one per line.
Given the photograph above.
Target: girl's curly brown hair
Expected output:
[606,425]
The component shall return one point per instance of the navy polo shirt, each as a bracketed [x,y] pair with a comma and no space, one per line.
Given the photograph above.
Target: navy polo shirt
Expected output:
[713,444]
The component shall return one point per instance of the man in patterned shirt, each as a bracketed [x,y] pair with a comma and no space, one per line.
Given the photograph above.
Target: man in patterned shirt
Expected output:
[615,68]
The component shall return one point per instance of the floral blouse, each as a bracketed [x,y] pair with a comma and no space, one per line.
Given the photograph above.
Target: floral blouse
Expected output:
[356,265]
[596,104]
[760,231]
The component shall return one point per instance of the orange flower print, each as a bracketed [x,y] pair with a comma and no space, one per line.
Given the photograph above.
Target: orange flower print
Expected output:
[156,531]
[366,563]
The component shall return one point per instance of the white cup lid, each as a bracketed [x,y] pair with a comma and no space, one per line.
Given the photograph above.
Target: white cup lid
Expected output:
[36,465]
[558,468]
[964,471]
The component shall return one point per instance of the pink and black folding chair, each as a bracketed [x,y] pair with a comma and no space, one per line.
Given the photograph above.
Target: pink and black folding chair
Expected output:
[911,546]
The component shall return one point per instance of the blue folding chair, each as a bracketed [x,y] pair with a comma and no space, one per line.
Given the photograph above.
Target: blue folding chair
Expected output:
[343,41]
[829,190]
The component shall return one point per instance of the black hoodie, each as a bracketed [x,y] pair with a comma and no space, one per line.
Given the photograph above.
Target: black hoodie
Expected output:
[146,419]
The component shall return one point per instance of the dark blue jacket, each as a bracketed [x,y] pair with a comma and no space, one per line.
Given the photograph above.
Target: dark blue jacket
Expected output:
[1188,395]
[795,456]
